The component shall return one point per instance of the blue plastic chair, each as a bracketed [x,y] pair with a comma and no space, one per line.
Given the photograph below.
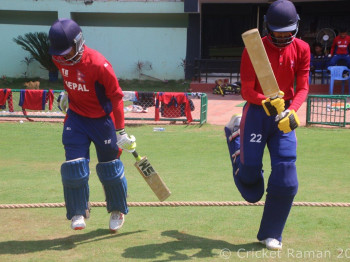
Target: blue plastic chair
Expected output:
[337,73]
[319,65]
[322,72]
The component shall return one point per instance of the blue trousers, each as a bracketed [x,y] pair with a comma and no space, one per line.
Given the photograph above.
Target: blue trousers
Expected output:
[79,132]
[257,130]
[334,60]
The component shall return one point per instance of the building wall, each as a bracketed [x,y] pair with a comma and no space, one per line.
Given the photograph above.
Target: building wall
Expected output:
[126,32]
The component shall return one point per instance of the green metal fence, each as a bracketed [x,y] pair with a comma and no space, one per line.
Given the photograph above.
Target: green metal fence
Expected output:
[331,110]
[134,112]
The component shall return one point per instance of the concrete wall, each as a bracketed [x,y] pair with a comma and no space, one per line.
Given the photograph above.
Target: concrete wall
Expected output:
[125,32]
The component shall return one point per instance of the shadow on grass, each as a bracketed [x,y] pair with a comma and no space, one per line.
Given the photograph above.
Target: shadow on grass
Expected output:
[184,242]
[65,243]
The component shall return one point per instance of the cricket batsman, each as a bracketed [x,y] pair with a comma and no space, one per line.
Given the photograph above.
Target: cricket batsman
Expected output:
[271,122]
[95,113]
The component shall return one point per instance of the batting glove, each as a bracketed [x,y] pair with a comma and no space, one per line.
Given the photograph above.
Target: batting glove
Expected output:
[126,142]
[274,106]
[62,101]
[288,122]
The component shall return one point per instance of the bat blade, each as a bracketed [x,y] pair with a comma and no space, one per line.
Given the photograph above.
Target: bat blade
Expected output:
[262,67]
[152,178]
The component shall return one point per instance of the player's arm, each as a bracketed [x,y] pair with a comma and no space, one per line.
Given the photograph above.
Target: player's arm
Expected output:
[115,94]
[273,106]
[248,81]
[302,79]
[124,141]
[289,119]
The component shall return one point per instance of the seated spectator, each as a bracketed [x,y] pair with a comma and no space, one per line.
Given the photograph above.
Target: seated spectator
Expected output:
[319,60]
[340,48]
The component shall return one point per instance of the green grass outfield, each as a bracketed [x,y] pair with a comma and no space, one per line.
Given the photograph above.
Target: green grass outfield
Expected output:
[194,163]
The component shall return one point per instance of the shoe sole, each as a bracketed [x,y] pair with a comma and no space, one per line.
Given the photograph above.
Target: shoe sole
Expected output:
[274,249]
[115,230]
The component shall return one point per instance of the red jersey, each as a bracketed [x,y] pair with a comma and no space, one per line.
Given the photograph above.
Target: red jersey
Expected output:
[93,88]
[340,46]
[289,63]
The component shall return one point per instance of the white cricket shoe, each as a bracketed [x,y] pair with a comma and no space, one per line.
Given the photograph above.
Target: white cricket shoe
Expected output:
[78,222]
[116,221]
[272,244]
[234,123]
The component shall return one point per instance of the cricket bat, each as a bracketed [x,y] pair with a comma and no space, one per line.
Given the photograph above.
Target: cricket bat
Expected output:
[152,178]
[257,54]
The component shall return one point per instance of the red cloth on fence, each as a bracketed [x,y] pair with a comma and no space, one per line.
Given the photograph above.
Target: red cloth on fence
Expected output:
[10,102]
[173,100]
[36,99]
[172,111]
[50,97]
[6,94]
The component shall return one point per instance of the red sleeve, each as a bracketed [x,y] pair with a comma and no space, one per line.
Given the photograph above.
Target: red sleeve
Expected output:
[334,44]
[302,78]
[188,112]
[251,90]
[113,93]
[183,99]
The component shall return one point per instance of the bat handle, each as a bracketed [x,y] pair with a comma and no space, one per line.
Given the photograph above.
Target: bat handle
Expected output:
[136,155]
[279,116]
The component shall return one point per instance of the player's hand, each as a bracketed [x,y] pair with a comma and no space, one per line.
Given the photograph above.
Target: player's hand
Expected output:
[62,101]
[288,122]
[274,106]
[126,142]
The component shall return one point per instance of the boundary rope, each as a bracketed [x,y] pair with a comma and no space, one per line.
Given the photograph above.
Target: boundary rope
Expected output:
[177,204]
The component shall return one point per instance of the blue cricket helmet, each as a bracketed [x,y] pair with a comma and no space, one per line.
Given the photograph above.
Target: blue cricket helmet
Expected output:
[282,16]
[65,34]
[62,34]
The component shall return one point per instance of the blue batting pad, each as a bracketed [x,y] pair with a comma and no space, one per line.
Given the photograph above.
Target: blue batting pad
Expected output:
[233,146]
[249,179]
[283,179]
[250,182]
[111,175]
[75,177]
